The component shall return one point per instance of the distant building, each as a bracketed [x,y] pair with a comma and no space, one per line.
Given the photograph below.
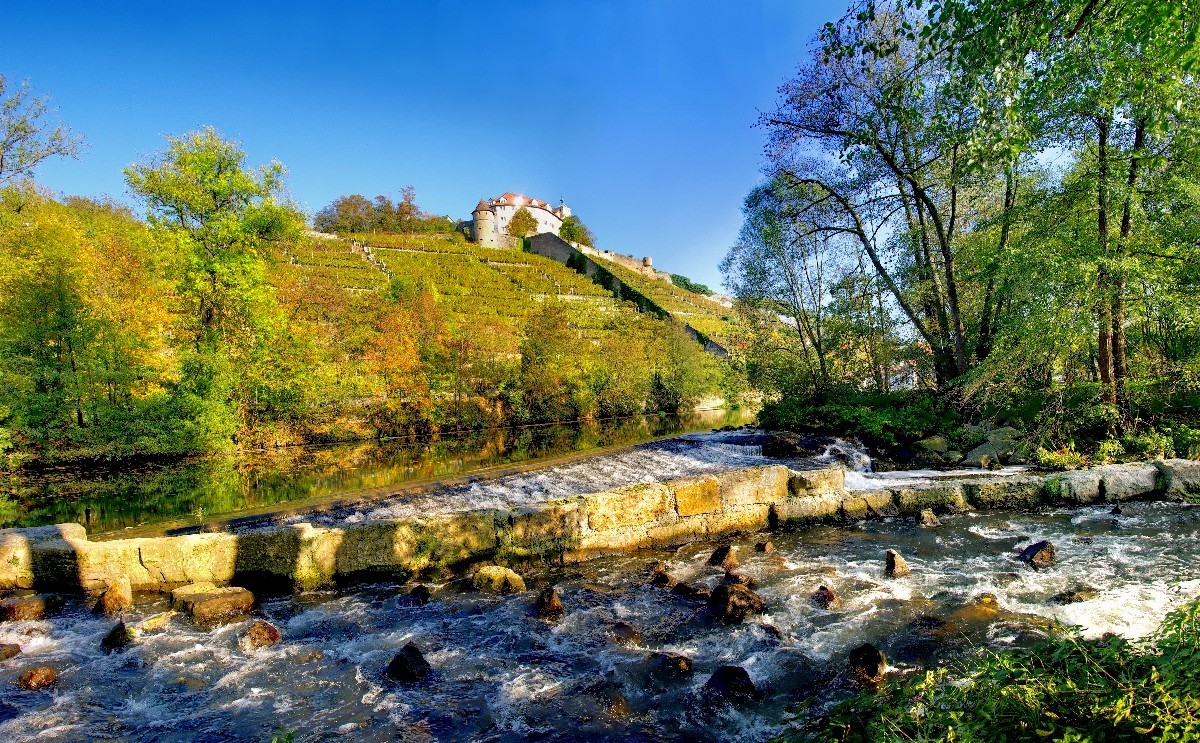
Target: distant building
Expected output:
[489,223]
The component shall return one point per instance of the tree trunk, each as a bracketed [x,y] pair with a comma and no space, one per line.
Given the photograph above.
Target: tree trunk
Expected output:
[1120,361]
[1104,319]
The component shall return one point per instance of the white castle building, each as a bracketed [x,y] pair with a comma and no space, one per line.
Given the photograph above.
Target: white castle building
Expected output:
[489,223]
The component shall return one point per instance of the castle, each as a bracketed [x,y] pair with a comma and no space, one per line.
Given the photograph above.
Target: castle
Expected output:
[489,223]
[489,228]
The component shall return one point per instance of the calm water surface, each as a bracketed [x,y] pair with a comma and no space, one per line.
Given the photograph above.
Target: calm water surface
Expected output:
[127,495]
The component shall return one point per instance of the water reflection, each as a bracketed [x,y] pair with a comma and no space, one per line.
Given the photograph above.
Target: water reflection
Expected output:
[131,494]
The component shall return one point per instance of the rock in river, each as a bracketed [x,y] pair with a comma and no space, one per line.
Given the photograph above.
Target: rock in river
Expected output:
[928,519]
[690,592]
[732,604]
[209,605]
[262,634]
[116,599]
[38,677]
[624,633]
[724,556]
[29,607]
[549,604]
[672,665]
[117,638]
[408,665]
[895,565]
[825,598]
[497,579]
[9,650]
[730,683]
[1039,554]
[867,665]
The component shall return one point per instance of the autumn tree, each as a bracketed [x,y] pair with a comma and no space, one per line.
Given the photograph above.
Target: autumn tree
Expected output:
[522,224]
[574,230]
[28,136]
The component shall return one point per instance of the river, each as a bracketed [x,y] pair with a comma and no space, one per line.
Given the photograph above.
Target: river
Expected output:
[125,495]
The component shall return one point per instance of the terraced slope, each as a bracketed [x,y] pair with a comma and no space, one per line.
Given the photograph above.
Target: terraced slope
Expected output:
[703,314]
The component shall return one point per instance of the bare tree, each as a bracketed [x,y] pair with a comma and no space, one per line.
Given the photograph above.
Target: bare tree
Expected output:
[27,134]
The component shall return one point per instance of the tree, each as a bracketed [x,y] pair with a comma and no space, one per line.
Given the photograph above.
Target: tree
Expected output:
[27,136]
[522,223]
[683,282]
[574,230]
[216,215]
[347,214]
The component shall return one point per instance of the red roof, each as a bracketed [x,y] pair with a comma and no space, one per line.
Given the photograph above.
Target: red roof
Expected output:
[508,197]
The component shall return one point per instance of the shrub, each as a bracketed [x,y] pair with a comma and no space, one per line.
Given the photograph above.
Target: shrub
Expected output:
[1109,450]
[877,418]
[1064,689]
[1150,444]
[1065,458]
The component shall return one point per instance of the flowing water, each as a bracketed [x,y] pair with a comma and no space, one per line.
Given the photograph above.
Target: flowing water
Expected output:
[502,675]
[129,494]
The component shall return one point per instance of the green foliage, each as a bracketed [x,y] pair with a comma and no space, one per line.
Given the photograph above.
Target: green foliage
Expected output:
[522,224]
[574,230]
[1109,451]
[877,418]
[683,282]
[357,214]
[1064,689]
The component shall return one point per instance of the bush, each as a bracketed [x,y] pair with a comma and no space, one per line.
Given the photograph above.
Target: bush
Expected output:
[1065,458]
[1109,451]
[877,418]
[1063,689]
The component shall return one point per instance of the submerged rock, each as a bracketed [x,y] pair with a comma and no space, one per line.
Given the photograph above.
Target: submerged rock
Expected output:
[209,605]
[30,607]
[497,579]
[624,633]
[895,566]
[1039,554]
[732,604]
[692,593]
[730,683]
[927,518]
[38,677]
[661,579]
[408,665]
[549,604]
[867,665]
[421,594]
[262,634]
[825,598]
[117,638]
[9,650]
[611,699]
[724,556]
[155,622]
[116,599]
[765,547]
[672,665]
[1075,595]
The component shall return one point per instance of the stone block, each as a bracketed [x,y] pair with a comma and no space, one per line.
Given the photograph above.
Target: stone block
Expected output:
[1075,487]
[1181,477]
[696,495]
[753,486]
[941,496]
[632,506]
[541,529]
[1121,482]
[807,508]
[825,481]
[1021,491]
[209,605]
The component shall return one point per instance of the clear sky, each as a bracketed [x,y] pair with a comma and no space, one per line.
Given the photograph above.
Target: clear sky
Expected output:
[639,114]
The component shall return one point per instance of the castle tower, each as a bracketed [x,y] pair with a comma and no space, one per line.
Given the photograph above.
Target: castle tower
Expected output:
[485,225]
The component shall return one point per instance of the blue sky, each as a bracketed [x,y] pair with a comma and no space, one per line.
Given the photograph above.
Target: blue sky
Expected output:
[639,114]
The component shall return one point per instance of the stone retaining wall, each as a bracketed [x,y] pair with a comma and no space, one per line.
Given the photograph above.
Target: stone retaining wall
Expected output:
[302,556]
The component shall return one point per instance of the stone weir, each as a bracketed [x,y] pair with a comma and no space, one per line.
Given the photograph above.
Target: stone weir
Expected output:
[301,556]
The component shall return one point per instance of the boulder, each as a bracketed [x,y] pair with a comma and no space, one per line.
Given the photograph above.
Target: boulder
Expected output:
[764,547]
[624,633]
[725,557]
[1180,477]
[116,599]
[692,593]
[740,579]
[731,684]
[155,622]
[672,665]
[732,604]
[497,579]
[927,518]
[9,650]
[662,580]
[29,607]
[261,634]
[421,594]
[1039,554]
[954,456]
[117,638]
[867,665]
[549,604]
[209,605]
[895,566]
[1128,481]
[408,665]
[825,598]
[611,699]
[38,677]
[937,444]
[1075,595]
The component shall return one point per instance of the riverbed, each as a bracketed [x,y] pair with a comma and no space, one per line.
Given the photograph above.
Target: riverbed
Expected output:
[500,674]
